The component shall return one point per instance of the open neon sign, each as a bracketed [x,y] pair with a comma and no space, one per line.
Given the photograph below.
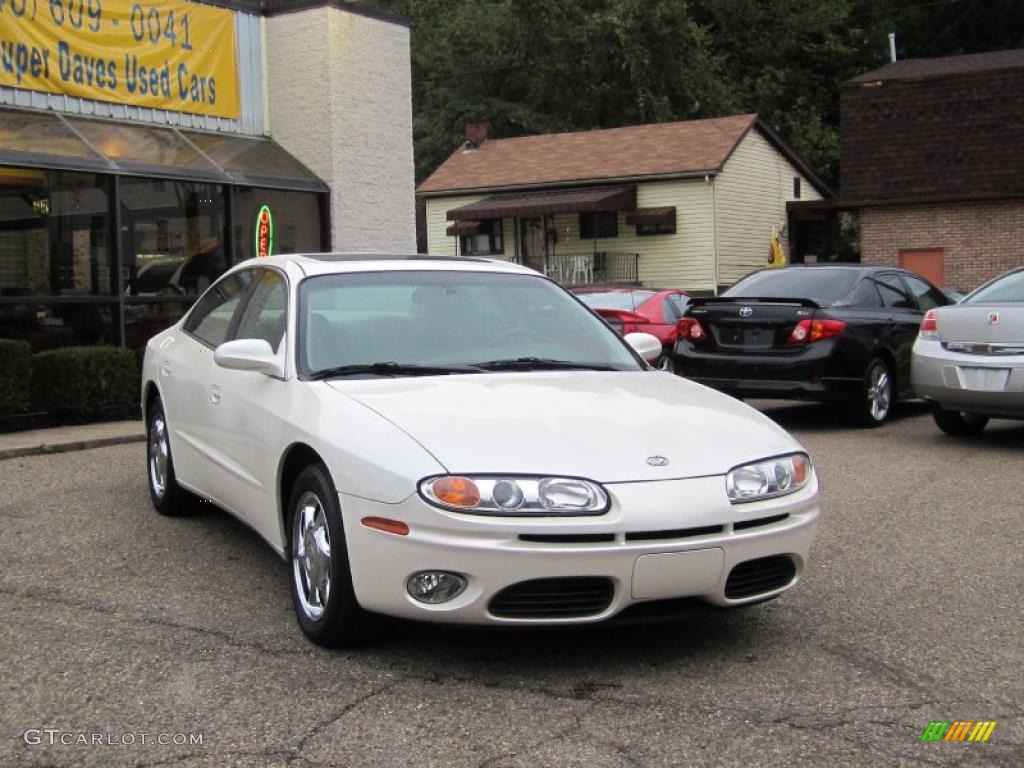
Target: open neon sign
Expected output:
[264,232]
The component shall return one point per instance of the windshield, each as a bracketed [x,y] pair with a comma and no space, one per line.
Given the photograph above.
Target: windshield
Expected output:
[822,285]
[1006,288]
[615,299]
[448,320]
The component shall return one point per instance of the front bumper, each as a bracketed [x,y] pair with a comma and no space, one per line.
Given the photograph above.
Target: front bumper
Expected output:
[988,385]
[686,525]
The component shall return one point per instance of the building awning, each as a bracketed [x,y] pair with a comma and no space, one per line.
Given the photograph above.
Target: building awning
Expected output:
[537,203]
[50,140]
[463,228]
[666,215]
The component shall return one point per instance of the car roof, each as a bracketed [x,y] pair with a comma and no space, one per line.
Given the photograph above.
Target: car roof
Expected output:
[334,263]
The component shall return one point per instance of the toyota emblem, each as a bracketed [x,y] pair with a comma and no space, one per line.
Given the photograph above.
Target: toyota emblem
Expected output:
[746,311]
[657,461]
[993,318]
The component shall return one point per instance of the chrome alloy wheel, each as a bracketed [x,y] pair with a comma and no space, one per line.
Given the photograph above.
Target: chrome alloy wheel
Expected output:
[159,451]
[879,393]
[311,556]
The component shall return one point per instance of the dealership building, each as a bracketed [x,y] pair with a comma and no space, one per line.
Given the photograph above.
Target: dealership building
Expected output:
[147,147]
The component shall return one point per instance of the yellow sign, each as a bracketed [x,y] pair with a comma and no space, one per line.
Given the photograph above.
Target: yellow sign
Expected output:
[776,256]
[165,54]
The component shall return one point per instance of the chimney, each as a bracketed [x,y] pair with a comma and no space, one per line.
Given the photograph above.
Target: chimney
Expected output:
[476,132]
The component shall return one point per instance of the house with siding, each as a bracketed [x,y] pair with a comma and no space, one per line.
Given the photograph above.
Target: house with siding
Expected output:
[932,156]
[689,205]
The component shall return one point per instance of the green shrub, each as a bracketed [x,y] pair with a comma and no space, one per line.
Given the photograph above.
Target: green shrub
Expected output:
[86,382]
[15,376]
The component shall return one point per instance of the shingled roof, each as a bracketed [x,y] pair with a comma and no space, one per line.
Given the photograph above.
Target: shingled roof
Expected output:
[914,69]
[658,149]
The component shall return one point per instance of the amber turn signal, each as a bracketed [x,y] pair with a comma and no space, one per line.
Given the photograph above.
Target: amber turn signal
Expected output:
[388,526]
[456,491]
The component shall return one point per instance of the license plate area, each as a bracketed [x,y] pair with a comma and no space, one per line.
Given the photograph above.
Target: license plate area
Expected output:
[983,379]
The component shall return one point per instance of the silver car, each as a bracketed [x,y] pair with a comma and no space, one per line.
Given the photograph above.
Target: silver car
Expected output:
[968,359]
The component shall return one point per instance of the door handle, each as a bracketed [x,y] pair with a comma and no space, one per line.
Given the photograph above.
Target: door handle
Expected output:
[215,394]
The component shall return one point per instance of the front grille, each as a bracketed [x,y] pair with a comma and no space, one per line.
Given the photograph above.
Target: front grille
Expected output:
[559,598]
[755,577]
[677,533]
[744,525]
[567,538]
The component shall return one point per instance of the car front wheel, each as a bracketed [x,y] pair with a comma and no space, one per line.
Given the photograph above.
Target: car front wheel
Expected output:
[958,423]
[168,497]
[321,580]
[876,403]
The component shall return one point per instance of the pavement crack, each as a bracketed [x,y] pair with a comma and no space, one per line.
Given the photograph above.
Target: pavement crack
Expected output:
[319,728]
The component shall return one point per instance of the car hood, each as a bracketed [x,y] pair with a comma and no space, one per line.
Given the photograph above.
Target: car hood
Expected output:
[598,425]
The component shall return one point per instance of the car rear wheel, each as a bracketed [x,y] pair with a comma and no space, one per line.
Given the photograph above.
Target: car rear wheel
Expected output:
[665,362]
[321,579]
[959,423]
[875,405]
[168,497]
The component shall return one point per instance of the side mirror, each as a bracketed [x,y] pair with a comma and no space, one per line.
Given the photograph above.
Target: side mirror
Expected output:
[249,355]
[645,344]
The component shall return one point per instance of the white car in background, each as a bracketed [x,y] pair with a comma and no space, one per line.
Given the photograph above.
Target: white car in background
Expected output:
[968,360]
[461,440]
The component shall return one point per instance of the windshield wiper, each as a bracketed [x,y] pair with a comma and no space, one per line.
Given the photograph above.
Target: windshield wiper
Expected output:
[392,369]
[539,364]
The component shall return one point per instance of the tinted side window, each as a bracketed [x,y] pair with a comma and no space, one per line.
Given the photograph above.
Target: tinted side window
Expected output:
[893,292]
[210,321]
[676,304]
[265,315]
[866,295]
[927,296]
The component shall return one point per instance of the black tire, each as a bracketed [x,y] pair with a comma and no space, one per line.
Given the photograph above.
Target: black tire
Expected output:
[328,612]
[878,397]
[168,497]
[959,423]
[666,362]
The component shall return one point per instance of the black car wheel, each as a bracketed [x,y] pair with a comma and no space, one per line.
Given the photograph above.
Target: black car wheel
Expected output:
[168,497]
[665,362]
[321,579]
[958,423]
[878,397]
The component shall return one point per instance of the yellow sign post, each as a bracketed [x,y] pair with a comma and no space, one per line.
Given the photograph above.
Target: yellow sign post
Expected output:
[165,54]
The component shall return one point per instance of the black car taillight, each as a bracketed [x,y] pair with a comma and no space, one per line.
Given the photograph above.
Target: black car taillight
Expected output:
[807,331]
[690,328]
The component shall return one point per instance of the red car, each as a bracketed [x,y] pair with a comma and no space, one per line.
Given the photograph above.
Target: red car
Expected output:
[640,310]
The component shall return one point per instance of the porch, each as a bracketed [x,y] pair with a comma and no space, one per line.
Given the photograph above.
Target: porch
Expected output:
[593,268]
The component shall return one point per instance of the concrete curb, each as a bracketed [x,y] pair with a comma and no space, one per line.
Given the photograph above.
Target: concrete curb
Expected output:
[71,445]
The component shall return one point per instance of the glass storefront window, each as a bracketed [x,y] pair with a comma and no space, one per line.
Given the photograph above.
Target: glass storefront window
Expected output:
[172,237]
[296,215]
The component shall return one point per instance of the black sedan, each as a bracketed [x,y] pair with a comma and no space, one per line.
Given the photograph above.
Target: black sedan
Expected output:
[829,332]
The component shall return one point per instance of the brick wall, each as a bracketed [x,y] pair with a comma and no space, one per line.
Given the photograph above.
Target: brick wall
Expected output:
[980,239]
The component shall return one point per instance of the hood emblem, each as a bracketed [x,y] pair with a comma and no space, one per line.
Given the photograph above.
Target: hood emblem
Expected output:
[993,318]
[657,461]
[746,311]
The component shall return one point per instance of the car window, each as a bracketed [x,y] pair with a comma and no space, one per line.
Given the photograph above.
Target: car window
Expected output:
[265,314]
[210,321]
[675,306]
[615,299]
[865,295]
[1009,287]
[927,296]
[893,292]
[822,284]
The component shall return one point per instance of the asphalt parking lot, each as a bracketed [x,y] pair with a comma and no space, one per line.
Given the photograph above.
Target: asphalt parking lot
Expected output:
[120,623]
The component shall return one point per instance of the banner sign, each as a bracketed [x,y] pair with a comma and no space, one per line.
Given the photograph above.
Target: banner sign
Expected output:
[164,54]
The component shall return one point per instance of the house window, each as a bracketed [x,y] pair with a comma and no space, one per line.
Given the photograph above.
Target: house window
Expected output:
[796,187]
[599,224]
[657,228]
[487,239]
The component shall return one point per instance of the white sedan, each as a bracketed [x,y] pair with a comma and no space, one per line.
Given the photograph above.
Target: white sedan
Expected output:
[461,440]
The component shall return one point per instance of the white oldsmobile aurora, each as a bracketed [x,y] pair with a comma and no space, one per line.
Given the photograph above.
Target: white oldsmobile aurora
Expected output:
[461,440]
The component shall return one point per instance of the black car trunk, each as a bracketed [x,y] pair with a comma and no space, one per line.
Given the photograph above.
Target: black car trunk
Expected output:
[757,325]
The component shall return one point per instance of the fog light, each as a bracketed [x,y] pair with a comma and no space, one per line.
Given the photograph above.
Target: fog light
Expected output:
[435,586]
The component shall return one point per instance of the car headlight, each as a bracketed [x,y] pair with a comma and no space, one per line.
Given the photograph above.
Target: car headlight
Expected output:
[515,496]
[769,478]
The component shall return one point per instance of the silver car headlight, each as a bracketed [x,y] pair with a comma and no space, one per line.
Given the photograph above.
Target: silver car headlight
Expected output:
[768,478]
[515,496]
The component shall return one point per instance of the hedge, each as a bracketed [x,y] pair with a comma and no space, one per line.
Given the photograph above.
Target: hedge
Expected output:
[15,376]
[85,382]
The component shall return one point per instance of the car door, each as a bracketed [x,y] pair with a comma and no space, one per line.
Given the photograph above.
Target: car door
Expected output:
[904,320]
[247,410]
[186,370]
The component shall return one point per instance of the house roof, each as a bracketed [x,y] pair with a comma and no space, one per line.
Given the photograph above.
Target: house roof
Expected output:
[934,130]
[556,201]
[914,69]
[692,147]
